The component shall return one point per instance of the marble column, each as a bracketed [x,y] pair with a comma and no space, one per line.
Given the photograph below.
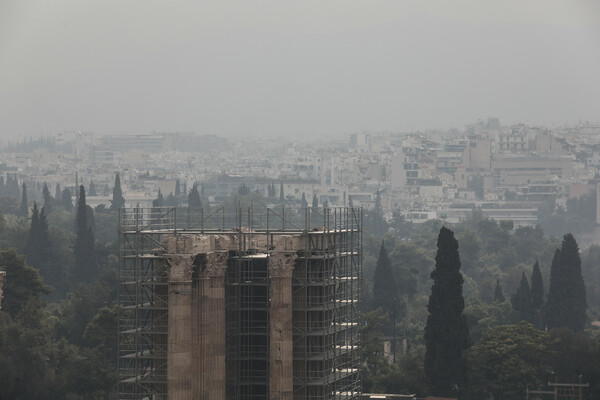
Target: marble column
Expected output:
[179,353]
[281,382]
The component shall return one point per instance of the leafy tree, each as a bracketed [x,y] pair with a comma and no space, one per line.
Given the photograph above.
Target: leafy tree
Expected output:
[498,295]
[566,304]
[508,359]
[385,289]
[521,301]
[84,248]
[23,208]
[117,198]
[447,331]
[194,197]
[22,284]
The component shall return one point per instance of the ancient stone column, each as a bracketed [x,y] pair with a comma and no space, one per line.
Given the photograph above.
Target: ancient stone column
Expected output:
[179,354]
[281,382]
[213,329]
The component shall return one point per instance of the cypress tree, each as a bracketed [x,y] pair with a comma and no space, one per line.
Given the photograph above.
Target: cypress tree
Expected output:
[498,295]
[66,199]
[350,203]
[47,198]
[281,194]
[537,288]
[57,191]
[159,201]
[33,239]
[177,187]
[384,284]
[194,197]
[315,201]
[117,198]
[304,202]
[84,249]
[38,247]
[23,209]
[202,190]
[521,301]
[566,304]
[447,331]
[92,189]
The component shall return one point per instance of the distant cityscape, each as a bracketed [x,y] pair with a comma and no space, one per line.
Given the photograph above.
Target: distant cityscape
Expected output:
[507,171]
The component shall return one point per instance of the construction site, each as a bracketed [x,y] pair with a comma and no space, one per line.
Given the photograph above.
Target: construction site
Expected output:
[240,303]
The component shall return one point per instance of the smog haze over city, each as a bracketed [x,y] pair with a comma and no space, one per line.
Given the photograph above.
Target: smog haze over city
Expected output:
[324,200]
[304,68]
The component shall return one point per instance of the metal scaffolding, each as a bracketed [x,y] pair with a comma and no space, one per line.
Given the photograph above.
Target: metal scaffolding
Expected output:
[326,298]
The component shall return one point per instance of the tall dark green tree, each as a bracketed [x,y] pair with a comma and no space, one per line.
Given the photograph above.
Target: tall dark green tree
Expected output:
[159,201]
[281,194]
[118,200]
[315,201]
[447,331]
[385,289]
[33,238]
[85,243]
[92,189]
[537,288]
[498,295]
[521,300]
[57,191]
[194,197]
[47,198]
[177,188]
[303,201]
[566,304]
[24,209]
[67,199]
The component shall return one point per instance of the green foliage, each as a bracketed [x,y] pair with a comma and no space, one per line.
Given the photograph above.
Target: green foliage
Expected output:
[446,331]
[521,301]
[243,190]
[117,196]
[67,199]
[84,248]
[506,360]
[194,197]
[23,284]
[159,201]
[498,295]
[385,290]
[23,208]
[566,305]
[537,288]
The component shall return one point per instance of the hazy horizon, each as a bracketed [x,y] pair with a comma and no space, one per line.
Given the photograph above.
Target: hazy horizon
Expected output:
[294,69]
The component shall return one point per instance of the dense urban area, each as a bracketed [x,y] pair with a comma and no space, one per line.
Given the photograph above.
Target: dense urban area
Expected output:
[480,249]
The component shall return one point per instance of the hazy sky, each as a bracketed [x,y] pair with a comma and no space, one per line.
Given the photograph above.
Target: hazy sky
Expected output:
[294,67]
